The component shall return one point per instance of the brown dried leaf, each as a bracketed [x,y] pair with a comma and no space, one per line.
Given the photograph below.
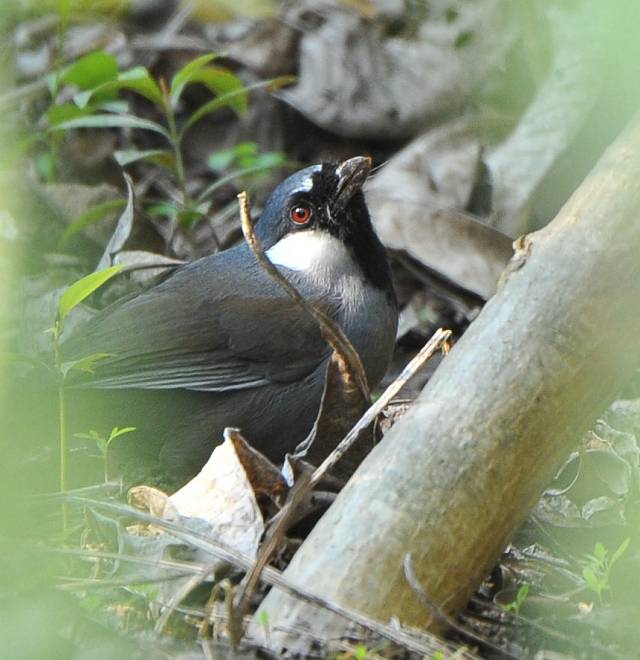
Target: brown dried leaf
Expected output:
[265,478]
[156,502]
[417,202]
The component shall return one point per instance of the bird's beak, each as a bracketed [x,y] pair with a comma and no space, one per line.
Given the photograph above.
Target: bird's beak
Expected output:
[351,177]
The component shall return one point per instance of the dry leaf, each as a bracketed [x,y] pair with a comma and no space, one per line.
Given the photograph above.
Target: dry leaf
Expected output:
[221,494]
[355,81]
[417,203]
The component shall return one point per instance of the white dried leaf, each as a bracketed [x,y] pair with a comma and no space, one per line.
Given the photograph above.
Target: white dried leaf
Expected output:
[222,496]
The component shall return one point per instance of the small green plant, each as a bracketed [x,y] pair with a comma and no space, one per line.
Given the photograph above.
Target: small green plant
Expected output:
[596,568]
[97,105]
[516,604]
[245,156]
[263,620]
[358,652]
[103,444]
[71,298]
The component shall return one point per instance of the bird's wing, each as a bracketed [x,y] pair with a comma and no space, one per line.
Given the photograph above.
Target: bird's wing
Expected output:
[190,332]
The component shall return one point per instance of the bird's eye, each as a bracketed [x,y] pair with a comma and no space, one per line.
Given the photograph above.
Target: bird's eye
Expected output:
[300,215]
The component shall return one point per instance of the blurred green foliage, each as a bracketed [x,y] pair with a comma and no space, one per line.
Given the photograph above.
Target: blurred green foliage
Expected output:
[35,619]
[98,82]
[597,567]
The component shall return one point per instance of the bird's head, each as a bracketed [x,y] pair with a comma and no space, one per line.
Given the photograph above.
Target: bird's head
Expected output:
[317,214]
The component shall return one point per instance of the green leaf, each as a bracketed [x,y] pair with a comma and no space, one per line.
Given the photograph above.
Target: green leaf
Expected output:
[138,80]
[46,166]
[600,551]
[236,174]
[164,209]
[246,150]
[189,217]
[620,551]
[185,75]
[269,160]
[56,114]
[116,107]
[221,160]
[595,584]
[112,121]
[90,216]
[83,288]
[222,82]
[228,99]
[522,594]
[162,157]
[116,433]
[83,364]
[91,70]
[246,155]
[92,435]
[361,652]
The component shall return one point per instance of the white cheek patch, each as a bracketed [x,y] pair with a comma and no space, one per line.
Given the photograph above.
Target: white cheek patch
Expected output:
[308,250]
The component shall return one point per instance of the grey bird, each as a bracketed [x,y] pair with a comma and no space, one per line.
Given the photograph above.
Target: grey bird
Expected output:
[218,342]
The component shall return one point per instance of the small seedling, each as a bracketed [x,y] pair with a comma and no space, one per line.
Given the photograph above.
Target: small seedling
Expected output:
[263,620]
[97,105]
[516,604]
[358,652]
[103,443]
[596,568]
[72,297]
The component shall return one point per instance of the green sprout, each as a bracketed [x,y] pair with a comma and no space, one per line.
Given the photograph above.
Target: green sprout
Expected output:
[596,568]
[72,297]
[102,443]
[97,105]
[516,604]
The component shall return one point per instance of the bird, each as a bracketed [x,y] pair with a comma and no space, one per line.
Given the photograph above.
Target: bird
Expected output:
[218,343]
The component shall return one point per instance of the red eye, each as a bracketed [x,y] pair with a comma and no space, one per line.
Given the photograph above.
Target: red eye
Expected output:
[300,215]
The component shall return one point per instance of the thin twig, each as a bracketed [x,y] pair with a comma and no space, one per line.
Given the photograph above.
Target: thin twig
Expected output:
[135,559]
[439,341]
[181,593]
[84,584]
[426,644]
[305,485]
[270,544]
[331,331]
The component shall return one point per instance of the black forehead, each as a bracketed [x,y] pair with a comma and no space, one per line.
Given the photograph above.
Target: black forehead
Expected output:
[325,181]
[317,183]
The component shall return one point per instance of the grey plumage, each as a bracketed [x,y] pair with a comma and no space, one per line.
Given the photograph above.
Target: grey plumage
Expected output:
[218,343]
